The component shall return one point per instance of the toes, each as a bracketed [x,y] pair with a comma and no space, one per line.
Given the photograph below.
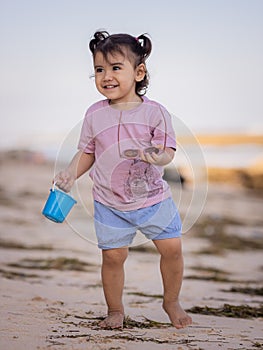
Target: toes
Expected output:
[106,325]
[182,322]
[186,321]
[112,322]
[178,325]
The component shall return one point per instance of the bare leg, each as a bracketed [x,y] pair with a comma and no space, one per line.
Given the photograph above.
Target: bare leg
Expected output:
[112,273]
[171,265]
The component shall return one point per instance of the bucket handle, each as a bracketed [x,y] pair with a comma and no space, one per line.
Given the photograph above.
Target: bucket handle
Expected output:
[53,187]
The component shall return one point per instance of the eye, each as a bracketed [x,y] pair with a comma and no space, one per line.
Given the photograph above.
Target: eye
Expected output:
[98,70]
[116,68]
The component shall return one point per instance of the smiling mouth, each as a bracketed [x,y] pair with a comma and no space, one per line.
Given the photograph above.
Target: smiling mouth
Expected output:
[109,86]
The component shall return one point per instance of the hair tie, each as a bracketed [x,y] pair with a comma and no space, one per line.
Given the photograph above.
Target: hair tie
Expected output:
[139,41]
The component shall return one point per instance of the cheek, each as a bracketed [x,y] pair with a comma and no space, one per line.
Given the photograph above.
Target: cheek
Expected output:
[97,82]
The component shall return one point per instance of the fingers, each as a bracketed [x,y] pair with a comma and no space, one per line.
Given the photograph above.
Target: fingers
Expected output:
[64,180]
[152,158]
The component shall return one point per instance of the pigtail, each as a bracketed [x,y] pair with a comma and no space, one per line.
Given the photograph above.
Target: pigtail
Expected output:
[146,45]
[98,37]
[145,48]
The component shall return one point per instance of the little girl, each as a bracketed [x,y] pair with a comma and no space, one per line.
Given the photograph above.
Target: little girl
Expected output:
[127,139]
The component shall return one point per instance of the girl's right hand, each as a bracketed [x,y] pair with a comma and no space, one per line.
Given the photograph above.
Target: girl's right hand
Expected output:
[64,180]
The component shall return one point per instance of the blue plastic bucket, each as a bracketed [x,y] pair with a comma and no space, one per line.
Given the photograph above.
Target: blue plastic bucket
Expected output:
[58,205]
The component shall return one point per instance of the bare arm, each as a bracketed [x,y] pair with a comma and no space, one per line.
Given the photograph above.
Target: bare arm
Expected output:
[79,165]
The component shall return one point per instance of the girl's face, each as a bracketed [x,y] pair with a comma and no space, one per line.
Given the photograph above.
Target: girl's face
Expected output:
[116,77]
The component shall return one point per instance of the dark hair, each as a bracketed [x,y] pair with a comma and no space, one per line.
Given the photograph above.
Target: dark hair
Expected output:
[139,48]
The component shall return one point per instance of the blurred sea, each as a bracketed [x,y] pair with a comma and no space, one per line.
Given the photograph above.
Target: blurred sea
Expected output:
[228,156]
[61,147]
[232,156]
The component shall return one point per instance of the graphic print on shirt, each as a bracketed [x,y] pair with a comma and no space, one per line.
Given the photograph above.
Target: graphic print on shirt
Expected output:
[143,181]
[120,179]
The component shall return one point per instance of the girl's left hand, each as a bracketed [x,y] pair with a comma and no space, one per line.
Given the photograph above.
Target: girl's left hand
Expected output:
[163,157]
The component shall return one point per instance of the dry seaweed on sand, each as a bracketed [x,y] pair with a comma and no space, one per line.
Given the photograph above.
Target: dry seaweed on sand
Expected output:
[245,290]
[209,274]
[212,277]
[209,269]
[13,275]
[141,294]
[215,231]
[146,323]
[60,263]
[227,310]
[6,244]
[142,338]
[120,336]
[129,323]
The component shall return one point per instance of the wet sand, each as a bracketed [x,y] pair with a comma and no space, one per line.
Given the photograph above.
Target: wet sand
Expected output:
[51,294]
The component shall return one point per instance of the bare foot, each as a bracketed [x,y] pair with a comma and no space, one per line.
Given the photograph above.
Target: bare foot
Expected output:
[114,320]
[178,317]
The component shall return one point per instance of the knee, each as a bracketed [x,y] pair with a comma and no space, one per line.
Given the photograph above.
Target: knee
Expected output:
[115,256]
[170,249]
[174,254]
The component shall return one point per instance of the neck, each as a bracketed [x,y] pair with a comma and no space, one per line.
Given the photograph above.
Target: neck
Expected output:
[124,106]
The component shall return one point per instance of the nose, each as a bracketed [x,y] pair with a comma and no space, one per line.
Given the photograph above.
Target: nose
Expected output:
[107,75]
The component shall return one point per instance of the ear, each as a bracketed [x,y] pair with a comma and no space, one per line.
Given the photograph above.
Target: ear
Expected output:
[140,72]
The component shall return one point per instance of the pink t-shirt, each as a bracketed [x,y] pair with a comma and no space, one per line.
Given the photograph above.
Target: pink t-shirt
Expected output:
[118,182]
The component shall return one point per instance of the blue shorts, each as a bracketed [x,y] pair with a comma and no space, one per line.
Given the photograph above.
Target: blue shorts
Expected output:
[116,229]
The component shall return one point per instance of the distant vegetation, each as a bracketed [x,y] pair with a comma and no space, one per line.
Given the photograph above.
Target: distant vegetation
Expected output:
[224,139]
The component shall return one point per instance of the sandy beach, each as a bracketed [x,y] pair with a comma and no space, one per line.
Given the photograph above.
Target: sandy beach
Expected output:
[51,294]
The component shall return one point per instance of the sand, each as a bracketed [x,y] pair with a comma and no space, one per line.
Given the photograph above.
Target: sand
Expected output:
[51,295]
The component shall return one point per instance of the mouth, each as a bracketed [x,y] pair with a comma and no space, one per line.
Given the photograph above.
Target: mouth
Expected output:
[109,87]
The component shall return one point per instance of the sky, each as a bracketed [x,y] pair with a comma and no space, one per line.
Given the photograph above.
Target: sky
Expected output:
[205,68]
